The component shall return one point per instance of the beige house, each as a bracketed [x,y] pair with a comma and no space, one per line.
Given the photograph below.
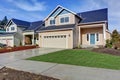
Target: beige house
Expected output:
[66,29]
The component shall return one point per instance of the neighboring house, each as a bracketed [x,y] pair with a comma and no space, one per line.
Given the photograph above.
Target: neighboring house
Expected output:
[20,32]
[66,29]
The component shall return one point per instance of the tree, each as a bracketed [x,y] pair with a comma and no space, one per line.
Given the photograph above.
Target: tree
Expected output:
[4,21]
[115,39]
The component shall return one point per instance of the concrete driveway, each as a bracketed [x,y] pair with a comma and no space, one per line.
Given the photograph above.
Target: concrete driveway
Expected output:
[16,60]
[20,55]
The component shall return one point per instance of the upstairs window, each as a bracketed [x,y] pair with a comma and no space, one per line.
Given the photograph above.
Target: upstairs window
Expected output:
[7,29]
[64,19]
[12,28]
[52,22]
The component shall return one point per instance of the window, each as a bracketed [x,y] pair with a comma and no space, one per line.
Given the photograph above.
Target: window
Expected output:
[52,22]
[7,29]
[97,37]
[12,28]
[87,37]
[64,19]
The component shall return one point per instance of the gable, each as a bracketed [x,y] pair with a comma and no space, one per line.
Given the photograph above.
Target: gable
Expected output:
[64,12]
[60,10]
[56,12]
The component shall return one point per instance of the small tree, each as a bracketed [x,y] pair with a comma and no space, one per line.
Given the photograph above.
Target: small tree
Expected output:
[4,21]
[115,39]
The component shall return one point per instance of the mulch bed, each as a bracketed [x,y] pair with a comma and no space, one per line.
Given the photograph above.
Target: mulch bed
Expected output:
[107,51]
[11,74]
[11,49]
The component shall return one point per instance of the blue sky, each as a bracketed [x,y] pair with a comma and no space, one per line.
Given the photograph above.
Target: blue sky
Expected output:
[34,10]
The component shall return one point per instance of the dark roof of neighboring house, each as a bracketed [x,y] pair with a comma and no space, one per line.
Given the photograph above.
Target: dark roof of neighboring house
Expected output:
[7,33]
[94,16]
[34,25]
[69,26]
[29,26]
[21,23]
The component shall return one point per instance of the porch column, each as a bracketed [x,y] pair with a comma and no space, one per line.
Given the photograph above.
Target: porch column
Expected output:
[33,41]
[79,36]
[104,33]
[23,42]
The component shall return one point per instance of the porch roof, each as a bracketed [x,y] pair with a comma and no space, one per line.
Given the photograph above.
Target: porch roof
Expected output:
[94,16]
[60,27]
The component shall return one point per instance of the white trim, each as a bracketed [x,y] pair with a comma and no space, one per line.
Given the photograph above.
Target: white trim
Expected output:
[56,29]
[95,22]
[79,35]
[104,31]
[95,38]
[64,16]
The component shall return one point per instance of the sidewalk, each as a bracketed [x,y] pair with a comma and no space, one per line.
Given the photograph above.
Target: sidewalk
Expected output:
[65,72]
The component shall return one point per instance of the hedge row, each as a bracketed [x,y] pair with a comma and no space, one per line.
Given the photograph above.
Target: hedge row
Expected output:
[11,49]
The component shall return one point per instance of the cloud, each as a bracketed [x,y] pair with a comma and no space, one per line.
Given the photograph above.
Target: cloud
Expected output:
[29,5]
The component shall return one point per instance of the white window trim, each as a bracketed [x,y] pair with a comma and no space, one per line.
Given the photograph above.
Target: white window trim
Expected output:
[52,18]
[95,38]
[63,16]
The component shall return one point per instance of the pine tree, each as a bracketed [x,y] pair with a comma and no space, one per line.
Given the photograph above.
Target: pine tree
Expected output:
[4,21]
[115,36]
[115,39]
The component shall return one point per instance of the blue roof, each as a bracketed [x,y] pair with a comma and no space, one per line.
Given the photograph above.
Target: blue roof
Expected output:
[21,23]
[68,26]
[28,25]
[34,25]
[7,33]
[94,16]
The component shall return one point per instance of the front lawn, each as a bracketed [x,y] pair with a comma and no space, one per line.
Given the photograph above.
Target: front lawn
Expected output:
[81,58]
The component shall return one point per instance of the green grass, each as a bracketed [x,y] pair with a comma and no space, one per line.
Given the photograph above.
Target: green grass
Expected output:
[81,58]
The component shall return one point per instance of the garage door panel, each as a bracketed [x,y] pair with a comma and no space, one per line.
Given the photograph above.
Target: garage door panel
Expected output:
[55,42]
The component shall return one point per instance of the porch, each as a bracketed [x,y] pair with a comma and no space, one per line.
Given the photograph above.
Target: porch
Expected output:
[30,38]
[92,35]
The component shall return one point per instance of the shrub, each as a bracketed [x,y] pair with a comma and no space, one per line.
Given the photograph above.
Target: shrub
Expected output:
[108,43]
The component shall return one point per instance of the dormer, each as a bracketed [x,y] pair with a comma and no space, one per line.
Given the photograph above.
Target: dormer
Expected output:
[61,16]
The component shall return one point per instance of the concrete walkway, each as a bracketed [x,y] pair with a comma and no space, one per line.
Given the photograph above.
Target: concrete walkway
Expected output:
[60,71]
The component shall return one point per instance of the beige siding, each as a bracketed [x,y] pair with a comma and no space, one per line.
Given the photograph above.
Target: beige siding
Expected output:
[57,19]
[108,35]
[69,34]
[86,31]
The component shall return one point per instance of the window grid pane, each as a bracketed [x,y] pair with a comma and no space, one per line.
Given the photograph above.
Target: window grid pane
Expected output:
[66,19]
[62,20]
[87,37]
[97,37]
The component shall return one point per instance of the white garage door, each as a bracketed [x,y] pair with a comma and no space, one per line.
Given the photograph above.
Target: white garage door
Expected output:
[7,40]
[56,41]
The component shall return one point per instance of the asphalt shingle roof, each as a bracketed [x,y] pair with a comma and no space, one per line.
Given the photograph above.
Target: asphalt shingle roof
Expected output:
[94,16]
[21,23]
[34,25]
[69,26]
[28,25]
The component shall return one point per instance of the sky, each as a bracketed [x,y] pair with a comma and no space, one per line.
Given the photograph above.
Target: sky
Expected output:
[34,10]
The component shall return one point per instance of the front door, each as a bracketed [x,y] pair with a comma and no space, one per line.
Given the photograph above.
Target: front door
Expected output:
[92,38]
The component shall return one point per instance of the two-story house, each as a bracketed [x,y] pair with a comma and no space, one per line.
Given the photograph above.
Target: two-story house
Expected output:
[66,29]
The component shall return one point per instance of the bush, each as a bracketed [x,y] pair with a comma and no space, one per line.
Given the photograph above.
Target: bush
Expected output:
[108,43]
